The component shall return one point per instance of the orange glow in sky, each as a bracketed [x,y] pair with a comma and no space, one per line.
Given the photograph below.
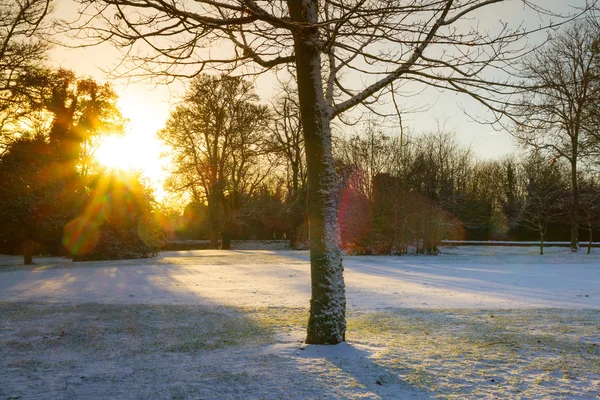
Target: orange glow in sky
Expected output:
[139,149]
[147,107]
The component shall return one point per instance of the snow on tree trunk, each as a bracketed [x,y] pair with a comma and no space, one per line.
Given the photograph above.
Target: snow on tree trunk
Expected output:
[327,321]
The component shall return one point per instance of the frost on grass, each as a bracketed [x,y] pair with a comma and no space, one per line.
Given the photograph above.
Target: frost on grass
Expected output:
[95,350]
[517,354]
[189,352]
[458,354]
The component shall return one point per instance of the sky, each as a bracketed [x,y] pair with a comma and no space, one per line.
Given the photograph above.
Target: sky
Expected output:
[147,106]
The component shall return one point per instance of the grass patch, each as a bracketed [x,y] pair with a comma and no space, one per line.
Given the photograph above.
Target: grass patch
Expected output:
[452,354]
[124,329]
[491,353]
[513,354]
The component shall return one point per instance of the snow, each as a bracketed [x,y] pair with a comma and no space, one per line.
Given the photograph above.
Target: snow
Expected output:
[514,243]
[473,322]
[461,277]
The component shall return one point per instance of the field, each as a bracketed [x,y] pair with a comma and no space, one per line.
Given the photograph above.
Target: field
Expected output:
[473,322]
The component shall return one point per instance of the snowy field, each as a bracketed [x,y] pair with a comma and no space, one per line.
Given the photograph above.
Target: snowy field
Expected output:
[473,322]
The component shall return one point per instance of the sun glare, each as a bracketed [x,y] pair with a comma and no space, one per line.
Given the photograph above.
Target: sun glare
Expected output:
[118,152]
[139,149]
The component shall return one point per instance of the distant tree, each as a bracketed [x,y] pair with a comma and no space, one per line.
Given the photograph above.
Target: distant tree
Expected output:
[369,153]
[511,191]
[263,215]
[287,141]
[216,137]
[30,188]
[557,114]
[546,201]
[395,206]
[590,209]
[489,190]
[440,172]
[80,110]
[397,194]
[117,221]
[362,158]
[196,221]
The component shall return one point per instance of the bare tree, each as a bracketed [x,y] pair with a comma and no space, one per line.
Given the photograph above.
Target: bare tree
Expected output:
[215,136]
[590,209]
[370,153]
[287,141]
[545,201]
[326,43]
[557,113]
[22,24]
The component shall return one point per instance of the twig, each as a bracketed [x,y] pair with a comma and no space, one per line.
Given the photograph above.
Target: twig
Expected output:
[495,343]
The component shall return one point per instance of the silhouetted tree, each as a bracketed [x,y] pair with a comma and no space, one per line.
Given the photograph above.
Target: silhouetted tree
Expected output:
[31,213]
[558,111]
[545,202]
[216,137]
[287,141]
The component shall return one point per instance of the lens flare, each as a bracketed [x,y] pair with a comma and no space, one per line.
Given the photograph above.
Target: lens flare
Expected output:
[81,236]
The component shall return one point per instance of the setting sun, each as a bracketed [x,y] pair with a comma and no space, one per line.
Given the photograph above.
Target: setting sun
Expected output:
[117,152]
[139,149]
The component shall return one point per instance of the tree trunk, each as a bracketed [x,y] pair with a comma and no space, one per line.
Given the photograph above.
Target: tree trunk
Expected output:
[589,250]
[327,320]
[28,253]
[541,243]
[225,241]
[213,214]
[226,235]
[575,208]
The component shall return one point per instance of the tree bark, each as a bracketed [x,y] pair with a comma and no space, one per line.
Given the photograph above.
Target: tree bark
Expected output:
[541,243]
[327,320]
[589,249]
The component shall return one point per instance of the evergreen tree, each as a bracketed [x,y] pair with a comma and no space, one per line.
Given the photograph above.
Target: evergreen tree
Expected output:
[31,213]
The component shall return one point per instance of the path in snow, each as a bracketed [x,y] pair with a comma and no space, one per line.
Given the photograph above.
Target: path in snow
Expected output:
[461,277]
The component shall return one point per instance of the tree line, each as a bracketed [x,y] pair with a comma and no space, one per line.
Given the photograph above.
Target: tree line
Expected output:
[243,165]
[394,194]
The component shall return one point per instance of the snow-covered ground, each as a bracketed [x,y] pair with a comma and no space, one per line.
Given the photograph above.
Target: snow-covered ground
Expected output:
[460,277]
[473,322]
